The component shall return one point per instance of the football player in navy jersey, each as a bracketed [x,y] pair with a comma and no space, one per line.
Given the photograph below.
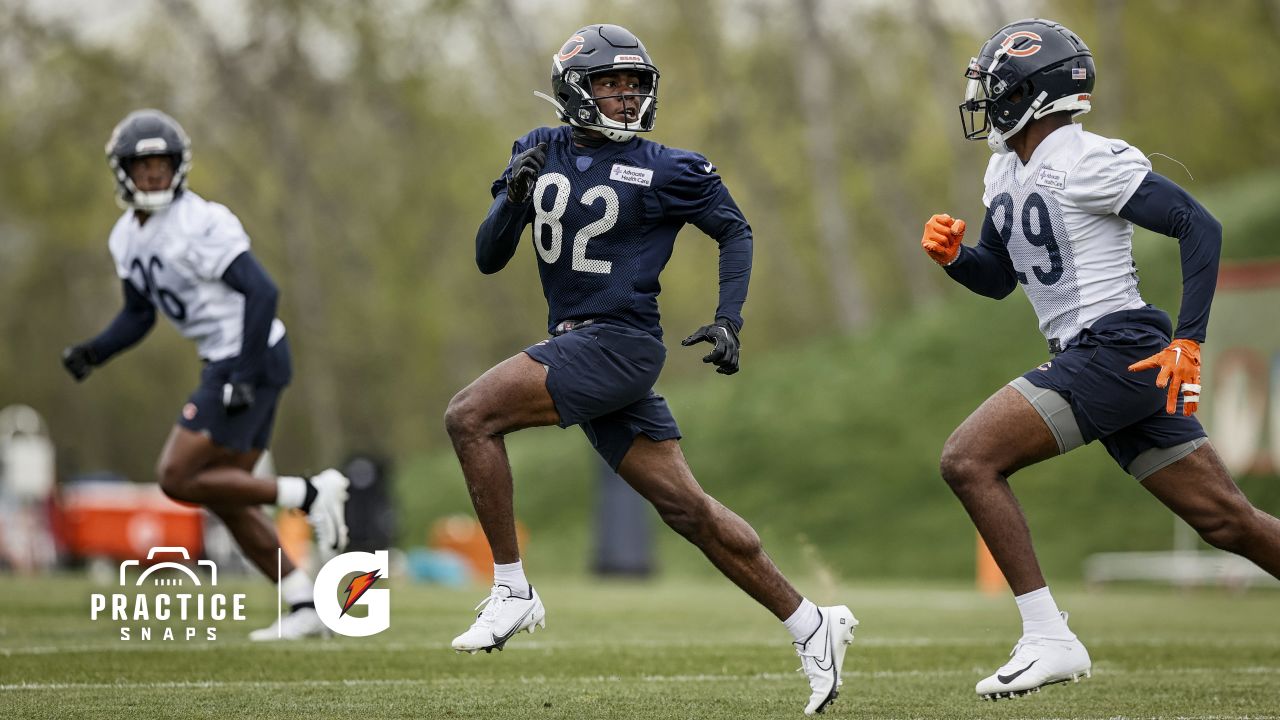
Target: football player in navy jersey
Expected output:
[1061,206]
[190,258]
[605,206]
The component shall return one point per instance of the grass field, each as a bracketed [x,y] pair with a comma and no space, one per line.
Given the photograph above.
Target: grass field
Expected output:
[672,649]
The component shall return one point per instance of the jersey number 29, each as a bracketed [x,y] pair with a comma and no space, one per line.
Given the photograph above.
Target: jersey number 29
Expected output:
[1040,234]
[550,242]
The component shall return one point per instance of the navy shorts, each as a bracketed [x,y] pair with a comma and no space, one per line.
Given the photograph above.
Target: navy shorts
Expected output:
[1123,409]
[251,428]
[601,377]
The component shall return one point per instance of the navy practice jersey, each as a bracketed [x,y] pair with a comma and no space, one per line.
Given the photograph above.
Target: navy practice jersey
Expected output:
[605,221]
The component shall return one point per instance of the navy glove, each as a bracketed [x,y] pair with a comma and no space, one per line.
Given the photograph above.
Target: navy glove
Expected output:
[725,338]
[524,173]
[79,361]
[237,397]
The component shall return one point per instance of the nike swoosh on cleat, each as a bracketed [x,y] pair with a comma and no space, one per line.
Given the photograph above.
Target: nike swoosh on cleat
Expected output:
[1006,679]
[826,653]
[502,640]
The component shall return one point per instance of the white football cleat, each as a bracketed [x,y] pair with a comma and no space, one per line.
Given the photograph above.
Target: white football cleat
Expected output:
[822,655]
[328,514]
[502,617]
[301,623]
[1034,663]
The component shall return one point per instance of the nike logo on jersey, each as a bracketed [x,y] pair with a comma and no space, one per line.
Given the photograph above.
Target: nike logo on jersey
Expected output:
[1006,679]
[1117,152]
[633,175]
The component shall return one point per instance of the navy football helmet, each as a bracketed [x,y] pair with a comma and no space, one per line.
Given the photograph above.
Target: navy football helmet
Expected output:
[1028,69]
[140,134]
[593,50]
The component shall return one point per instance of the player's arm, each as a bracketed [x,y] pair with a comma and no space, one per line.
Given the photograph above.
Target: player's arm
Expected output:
[261,297]
[985,268]
[726,224]
[1161,206]
[132,324]
[512,208]
[693,193]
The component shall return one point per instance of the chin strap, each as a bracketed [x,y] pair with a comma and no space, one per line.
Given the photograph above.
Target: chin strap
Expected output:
[610,133]
[996,139]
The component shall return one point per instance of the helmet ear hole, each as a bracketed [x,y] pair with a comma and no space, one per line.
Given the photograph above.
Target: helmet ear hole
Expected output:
[1024,90]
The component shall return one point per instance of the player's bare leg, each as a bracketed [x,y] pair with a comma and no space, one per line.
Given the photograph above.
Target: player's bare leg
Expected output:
[659,472]
[1200,490]
[510,396]
[256,535]
[1005,434]
[192,468]
[252,529]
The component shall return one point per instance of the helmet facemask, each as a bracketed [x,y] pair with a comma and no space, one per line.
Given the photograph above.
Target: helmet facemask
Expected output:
[580,107]
[128,196]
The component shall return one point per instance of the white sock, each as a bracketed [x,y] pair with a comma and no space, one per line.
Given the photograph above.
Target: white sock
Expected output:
[290,491]
[804,621]
[1041,617]
[512,575]
[297,588]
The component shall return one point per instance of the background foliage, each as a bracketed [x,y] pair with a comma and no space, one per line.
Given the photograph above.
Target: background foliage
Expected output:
[356,142]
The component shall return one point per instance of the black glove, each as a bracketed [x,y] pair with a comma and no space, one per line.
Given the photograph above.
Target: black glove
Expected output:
[725,338]
[237,397]
[524,173]
[79,361]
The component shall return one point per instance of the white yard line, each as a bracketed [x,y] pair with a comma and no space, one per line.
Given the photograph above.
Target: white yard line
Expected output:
[581,679]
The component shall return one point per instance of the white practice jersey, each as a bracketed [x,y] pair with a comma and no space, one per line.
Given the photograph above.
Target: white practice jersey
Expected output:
[1058,217]
[177,260]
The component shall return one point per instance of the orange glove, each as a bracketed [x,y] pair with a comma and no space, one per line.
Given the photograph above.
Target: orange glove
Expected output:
[1180,362]
[942,238]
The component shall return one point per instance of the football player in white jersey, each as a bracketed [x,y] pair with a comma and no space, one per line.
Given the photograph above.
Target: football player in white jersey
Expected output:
[1061,205]
[190,258]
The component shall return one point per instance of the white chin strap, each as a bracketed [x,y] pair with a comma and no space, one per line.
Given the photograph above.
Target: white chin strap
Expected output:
[152,201]
[997,140]
[610,128]
[619,131]
[616,135]
[1075,104]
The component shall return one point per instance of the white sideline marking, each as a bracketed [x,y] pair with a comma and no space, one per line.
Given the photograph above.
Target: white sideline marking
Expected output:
[583,679]
[544,645]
